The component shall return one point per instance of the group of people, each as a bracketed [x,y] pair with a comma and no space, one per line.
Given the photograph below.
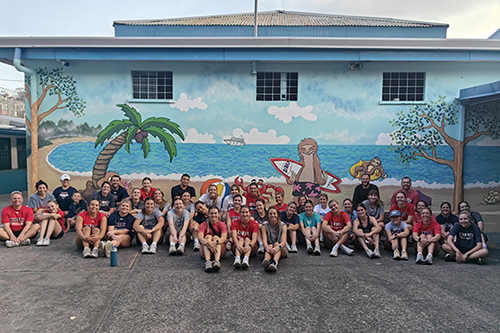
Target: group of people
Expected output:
[244,224]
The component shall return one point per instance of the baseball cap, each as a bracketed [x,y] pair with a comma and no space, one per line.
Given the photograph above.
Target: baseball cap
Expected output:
[65,176]
[395,213]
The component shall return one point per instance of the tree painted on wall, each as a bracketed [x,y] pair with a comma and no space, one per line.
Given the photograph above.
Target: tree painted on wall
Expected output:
[133,129]
[424,127]
[58,92]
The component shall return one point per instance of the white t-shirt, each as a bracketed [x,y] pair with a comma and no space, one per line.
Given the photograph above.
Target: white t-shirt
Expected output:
[209,202]
[322,212]
[228,203]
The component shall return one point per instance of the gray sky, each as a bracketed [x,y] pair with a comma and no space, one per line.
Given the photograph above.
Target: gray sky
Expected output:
[467,19]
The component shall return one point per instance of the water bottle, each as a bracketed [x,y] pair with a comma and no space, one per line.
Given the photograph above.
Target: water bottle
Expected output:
[114,256]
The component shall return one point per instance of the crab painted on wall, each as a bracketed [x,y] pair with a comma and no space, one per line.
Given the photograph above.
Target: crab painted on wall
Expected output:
[264,189]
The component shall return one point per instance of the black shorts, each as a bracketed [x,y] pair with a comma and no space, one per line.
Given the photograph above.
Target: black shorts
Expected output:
[463,249]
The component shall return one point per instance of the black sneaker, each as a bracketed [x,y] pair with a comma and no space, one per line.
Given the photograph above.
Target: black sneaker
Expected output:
[450,257]
[480,261]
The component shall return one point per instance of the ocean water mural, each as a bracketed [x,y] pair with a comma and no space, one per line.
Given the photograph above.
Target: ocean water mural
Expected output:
[253,160]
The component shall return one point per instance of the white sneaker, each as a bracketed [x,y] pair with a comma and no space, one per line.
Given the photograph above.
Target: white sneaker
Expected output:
[335,252]
[288,248]
[26,242]
[309,249]
[196,246]
[237,262]
[369,253]
[376,253]
[346,250]
[172,250]
[10,243]
[321,238]
[428,259]
[261,249]
[152,248]
[107,249]
[317,250]
[245,263]
[95,252]
[102,246]
[420,258]
[39,242]
[293,248]
[145,248]
[46,242]
[180,249]
[86,252]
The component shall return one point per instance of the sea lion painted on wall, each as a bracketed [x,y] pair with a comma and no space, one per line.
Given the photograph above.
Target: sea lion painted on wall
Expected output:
[310,177]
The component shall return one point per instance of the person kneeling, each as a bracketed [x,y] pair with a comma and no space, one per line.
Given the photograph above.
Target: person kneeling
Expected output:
[90,228]
[464,242]
[397,236]
[274,239]
[426,233]
[212,235]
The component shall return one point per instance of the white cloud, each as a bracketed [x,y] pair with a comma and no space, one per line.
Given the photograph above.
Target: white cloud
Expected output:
[488,141]
[254,137]
[184,104]
[384,139]
[286,113]
[342,136]
[194,137]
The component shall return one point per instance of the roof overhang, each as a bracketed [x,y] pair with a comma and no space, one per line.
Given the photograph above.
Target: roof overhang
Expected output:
[480,94]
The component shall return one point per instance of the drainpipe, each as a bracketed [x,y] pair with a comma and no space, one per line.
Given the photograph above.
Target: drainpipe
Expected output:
[34,97]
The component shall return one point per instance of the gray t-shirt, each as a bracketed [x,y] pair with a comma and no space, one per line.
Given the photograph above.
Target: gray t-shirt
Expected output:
[273,235]
[178,220]
[37,202]
[396,228]
[373,211]
[190,208]
[149,221]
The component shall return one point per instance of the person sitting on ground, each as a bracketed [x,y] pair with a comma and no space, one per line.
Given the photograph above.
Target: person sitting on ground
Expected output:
[147,190]
[310,225]
[252,196]
[160,202]
[119,192]
[447,220]
[244,234]
[426,234]
[148,225]
[464,242]
[367,232]
[91,226]
[260,215]
[51,224]
[301,202]
[418,209]
[475,218]
[64,194]
[274,237]
[17,222]
[227,203]
[233,215]
[280,205]
[77,206]
[193,225]
[406,210]
[411,195]
[336,228]
[322,208]
[188,204]
[349,209]
[212,198]
[38,201]
[375,207]
[120,227]
[361,191]
[397,236]
[136,202]
[177,190]
[178,223]
[106,199]
[212,235]
[292,222]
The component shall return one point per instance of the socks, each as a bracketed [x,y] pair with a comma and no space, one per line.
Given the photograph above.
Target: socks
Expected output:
[172,244]
[154,243]
[144,243]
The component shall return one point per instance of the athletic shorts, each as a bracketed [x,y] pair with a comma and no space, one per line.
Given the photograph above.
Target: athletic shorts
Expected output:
[58,236]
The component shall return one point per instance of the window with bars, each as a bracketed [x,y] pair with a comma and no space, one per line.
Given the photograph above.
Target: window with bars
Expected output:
[21,153]
[403,87]
[277,86]
[5,157]
[152,85]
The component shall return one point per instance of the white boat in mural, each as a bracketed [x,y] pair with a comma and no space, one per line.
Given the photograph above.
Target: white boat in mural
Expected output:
[234,141]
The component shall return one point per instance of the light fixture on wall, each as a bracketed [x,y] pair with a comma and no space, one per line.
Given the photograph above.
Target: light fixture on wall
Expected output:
[354,66]
[254,68]
[63,62]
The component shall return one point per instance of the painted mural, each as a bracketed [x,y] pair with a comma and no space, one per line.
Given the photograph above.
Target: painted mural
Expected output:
[214,129]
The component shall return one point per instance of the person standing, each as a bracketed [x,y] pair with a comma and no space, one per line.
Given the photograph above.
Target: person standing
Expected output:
[64,194]
[118,192]
[17,222]
[361,191]
[412,196]
[177,190]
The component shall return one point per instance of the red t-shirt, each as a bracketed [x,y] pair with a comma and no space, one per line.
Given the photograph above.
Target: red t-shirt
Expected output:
[252,227]
[145,195]
[220,228]
[282,208]
[234,216]
[418,218]
[250,201]
[412,197]
[432,229]
[337,222]
[61,220]
[88,221]
[17,218]
[409,210]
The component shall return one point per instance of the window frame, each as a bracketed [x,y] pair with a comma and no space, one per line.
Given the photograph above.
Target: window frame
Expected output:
[288,90]
[409,84]
[140,76]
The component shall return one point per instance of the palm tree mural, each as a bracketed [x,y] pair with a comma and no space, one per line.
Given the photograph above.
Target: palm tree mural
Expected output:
[133,128]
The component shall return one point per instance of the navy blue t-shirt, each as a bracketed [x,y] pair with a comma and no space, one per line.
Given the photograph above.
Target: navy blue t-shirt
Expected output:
[448,222]
[289,221]
[119,194]
[63,197]
[105,202]
[467,238]
[121,222]
[74,210]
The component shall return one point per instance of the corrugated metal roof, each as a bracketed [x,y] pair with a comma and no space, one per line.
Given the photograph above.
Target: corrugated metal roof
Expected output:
[285,18]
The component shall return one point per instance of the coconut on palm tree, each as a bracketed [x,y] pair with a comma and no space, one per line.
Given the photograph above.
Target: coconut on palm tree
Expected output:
[130,129]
